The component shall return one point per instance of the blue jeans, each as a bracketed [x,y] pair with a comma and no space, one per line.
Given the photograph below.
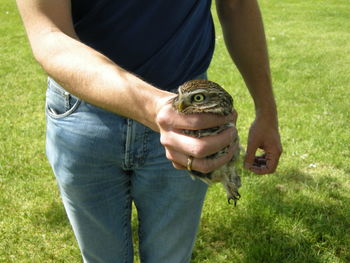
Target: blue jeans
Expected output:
[103,163]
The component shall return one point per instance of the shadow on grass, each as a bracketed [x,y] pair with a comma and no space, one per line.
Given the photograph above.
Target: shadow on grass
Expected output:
[290,217]
[52,216]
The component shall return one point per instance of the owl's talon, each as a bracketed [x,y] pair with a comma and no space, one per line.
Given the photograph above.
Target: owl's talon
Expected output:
[230,199]
[234,198]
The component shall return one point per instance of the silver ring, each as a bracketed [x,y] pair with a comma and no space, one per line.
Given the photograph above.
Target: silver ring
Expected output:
[189,163]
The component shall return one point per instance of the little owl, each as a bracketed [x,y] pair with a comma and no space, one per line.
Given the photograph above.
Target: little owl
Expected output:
[203,96]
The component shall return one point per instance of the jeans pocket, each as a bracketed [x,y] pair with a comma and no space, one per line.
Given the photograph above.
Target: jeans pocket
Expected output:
[59,102]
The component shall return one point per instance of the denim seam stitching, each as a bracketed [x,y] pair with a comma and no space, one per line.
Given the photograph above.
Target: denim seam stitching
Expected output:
[145,146]
[127,154]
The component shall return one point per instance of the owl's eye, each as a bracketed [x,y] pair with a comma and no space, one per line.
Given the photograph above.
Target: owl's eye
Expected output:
[198,97]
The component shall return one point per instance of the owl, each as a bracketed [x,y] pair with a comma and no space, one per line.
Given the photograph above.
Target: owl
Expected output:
[204,96]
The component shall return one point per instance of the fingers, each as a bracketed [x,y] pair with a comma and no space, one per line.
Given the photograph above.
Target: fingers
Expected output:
[250,155]
[179,145]
[203,165]
[262,164]
[197,147]
[168,119]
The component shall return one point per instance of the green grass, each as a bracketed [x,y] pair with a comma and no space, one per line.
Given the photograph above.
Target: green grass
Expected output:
[299,214]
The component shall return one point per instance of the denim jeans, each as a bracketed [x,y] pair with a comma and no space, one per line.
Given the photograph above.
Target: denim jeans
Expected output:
[104,162]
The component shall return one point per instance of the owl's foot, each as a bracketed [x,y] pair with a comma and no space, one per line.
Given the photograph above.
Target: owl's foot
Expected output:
[234,197]
[232,182]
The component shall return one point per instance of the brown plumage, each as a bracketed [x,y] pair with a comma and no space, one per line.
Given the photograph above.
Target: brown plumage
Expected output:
[204,96]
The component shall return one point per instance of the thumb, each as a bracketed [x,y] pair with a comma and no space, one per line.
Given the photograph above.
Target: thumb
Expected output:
[250,155]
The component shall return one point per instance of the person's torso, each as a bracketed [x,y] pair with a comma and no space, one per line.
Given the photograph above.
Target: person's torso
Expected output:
[165,42]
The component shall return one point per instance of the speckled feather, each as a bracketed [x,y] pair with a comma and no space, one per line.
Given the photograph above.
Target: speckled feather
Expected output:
[204,96]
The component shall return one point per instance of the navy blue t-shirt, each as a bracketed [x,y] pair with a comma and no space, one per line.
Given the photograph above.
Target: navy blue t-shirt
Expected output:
[165,42]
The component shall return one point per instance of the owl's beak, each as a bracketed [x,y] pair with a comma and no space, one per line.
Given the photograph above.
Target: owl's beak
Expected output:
[180,105]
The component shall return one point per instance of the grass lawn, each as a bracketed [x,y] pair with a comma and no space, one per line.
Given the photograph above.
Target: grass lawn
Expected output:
[299,214]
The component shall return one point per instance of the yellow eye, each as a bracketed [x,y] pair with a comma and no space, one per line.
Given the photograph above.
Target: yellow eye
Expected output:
[198,97]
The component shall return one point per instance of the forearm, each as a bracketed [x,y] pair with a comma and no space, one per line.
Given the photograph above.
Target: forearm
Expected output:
[94,78]
[83,71]
[245,40]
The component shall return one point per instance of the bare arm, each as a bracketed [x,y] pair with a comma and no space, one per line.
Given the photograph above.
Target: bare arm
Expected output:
[96,79]
[245,40]
[80,69]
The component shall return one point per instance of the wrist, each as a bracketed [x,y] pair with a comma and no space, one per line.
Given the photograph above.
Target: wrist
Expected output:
[266,109]
[143,101]
[160,107]
[267,112]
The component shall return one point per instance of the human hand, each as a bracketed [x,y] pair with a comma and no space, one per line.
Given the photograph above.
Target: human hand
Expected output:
[179,146]
[264,135]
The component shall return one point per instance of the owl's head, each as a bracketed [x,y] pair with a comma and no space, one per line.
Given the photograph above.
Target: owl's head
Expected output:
[203,96]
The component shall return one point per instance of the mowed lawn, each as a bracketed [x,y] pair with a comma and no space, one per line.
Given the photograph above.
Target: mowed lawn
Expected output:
[300,214]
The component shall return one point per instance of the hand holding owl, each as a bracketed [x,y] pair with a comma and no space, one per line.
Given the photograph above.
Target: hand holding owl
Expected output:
[201,136]
[179,146]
